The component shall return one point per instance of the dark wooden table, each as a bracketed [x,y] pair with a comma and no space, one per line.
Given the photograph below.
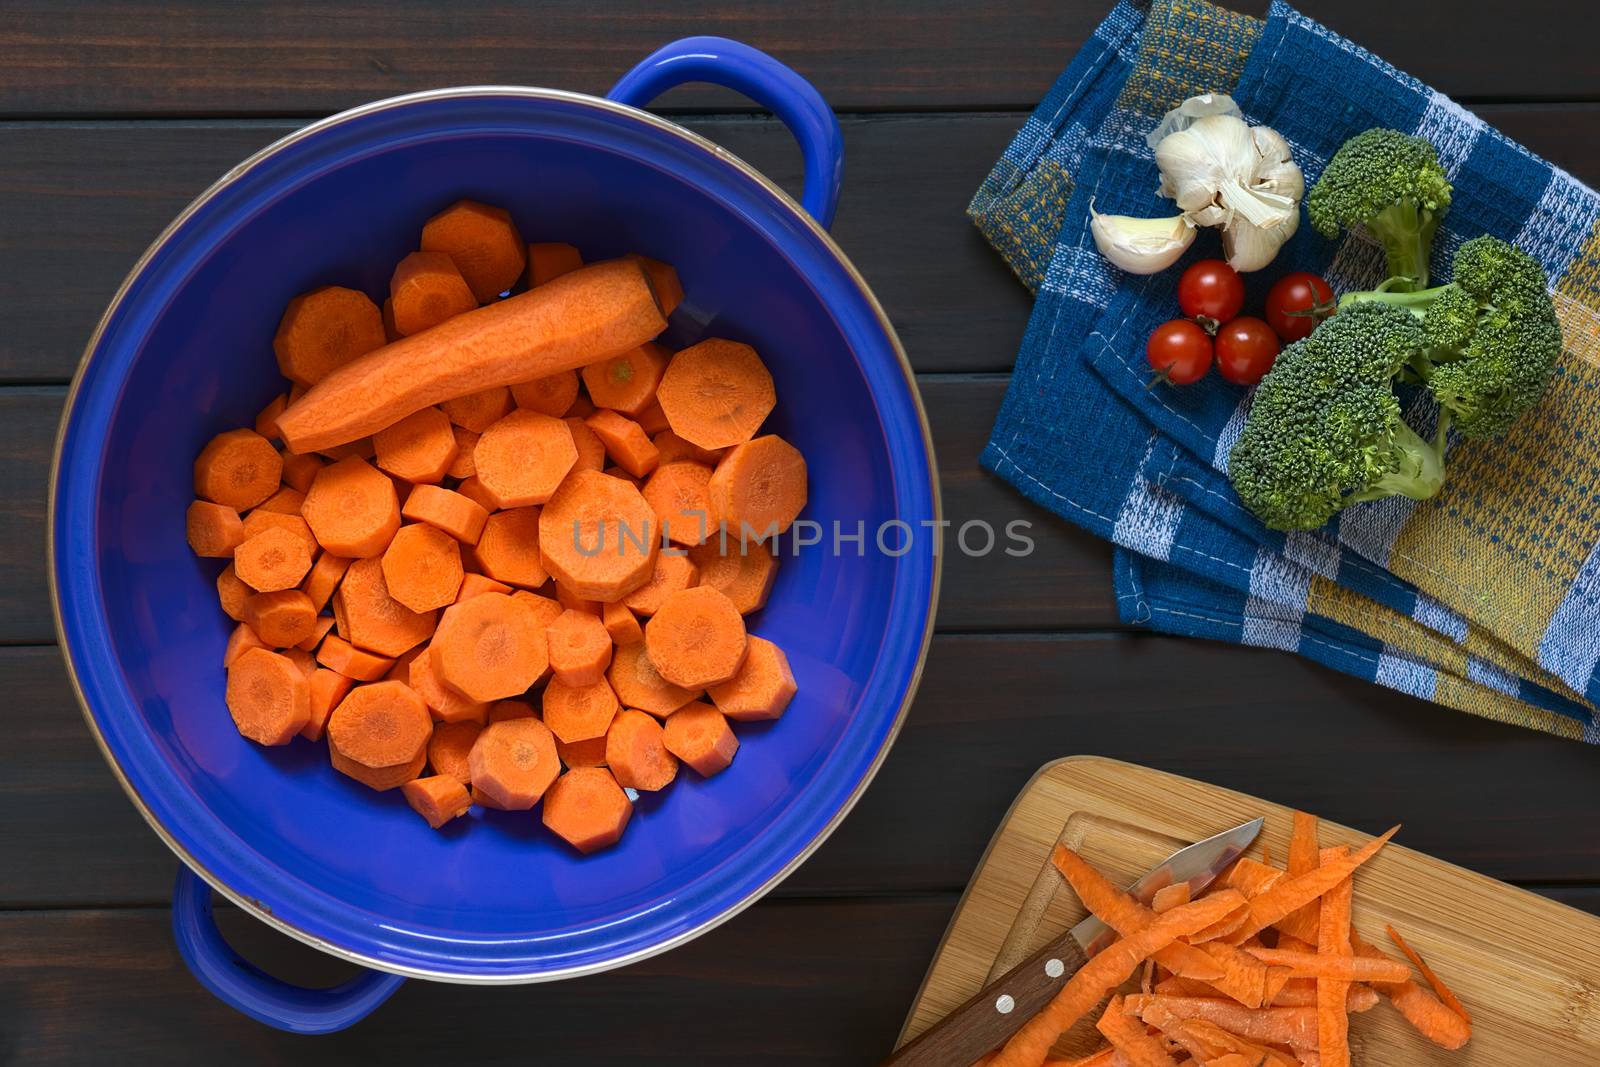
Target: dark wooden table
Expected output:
[115,114]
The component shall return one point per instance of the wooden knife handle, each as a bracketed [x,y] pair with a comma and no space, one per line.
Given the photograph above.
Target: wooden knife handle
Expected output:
[993,1015]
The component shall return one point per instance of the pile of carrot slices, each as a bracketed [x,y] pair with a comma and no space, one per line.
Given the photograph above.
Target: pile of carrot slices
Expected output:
[506,549]
[1263,970]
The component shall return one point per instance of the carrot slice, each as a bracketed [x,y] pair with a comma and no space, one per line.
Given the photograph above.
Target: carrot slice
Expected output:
[596,536]
[422,567]
[587,809]
[483,242]
[449,511]
[477,584]
[678,494]
[699,735]
[625,441]
[590,752]
[522,458]
[663,281]
[266,423]
[259,521]
[352,508]
[716,393]
[281,618]
[551,395]
[302,660]
[213,530]
[478,411]
[425,289]
[450,747]
[745,573]
[548,260]
[473,490]
[1293,893]
[384,724]
[1128,1036]
[758,488]
[638,685]
[622,626]
[286,501]
[696,638]
[300,471]
[324,330]
[576,713]
[326,574]
[571,601]
[237,469]
[580,649]
[489,648]
[513,763]
[674,449]
[445,703]
[544,608]
[466,441]
[328,687]
[765,685]
[508,548]
[623,476]
[673,572]
[375,620]
[652,419]
[271,560]
[337,654]
[501,710]
[627,383]
[591,450]
[437,799]
[419,448]
[240,641]
[268,697]
[377,778]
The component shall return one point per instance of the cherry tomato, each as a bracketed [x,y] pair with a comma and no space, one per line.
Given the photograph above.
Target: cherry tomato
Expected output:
[1296,303]
[1246,349]
[1179,351]
[1210,292]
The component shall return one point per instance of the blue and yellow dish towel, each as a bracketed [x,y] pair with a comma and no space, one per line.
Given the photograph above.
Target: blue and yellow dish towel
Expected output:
[1485,599]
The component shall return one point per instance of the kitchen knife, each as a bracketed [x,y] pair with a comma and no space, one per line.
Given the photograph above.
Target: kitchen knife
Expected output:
[1001,1008]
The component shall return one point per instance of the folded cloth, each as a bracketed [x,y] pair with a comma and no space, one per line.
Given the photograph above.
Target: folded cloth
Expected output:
[1082,441]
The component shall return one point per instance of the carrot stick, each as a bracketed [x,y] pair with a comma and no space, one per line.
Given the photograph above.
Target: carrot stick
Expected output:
[323,330]
[523,457]
[447,510]
[551,395]
[237,469]
[587,809]
[425,289]
[268,697]
[716,393]
[593,313]
[437,799]
[636,751]
[547,260]
[1294,893]
[482,241]
[514,762]
[1128,1036]
[627,383]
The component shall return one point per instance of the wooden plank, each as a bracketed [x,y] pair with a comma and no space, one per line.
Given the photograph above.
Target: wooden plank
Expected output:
[189,57]
[990,710]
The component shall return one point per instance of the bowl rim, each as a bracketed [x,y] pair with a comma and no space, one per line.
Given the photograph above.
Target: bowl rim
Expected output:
[256,908]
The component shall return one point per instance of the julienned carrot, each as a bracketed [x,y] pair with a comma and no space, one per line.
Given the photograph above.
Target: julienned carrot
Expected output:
[522,458]
[449,511]
[763,687]
[466,441]
[324,578]
[438,798]
[627,383]
[622,626]
[743,571]
[213,530]
[716,393]
[1303,858]
[551,259]
[1333,944]
[625,441]
[324,330]
[591,450]
[1105,971]
[240,641]
[1431,1017]
[508,548]
[237,469]
[477,584]
[1295,1027]
[1440,990]
[759,487]
[674,449]
[696,638]
[422,567]
[450,748]
[663,281]
[300,471]
[673,572]
[677,493]
[425,289]
[482,241]
[328,687]
[596,535]
[1169,897]
[580,648]
[1244,977]
[587,809]
[352,508]
[1359,998]
[591,314]
[1215,1035]
[1339,967]
[513,762]
[489,648]
[699,735]
[281,618]
[636,752]
[232,593]
[337,654]
[579,712]
[375,620]
[445,703]
[590,752]
[1291,894]
[637,684]
[551,395]
[419,448]
[271,560]
[268,697]
[477,411]
[1127,1035]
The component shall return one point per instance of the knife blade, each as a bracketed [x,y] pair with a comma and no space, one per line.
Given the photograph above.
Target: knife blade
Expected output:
[1004,1005]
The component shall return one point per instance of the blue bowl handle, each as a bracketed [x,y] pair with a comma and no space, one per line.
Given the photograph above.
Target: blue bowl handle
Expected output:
[766,81]
[251,990]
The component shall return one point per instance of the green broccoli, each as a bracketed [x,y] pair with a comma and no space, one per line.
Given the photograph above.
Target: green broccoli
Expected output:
[1324,429]
[1492,336]
[1391,183]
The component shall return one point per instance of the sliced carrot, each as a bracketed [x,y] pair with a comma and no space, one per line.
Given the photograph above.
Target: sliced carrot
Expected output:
[422,567]
[300,471]
[637,684]
[627,383]
[674,449]
[587,809]
[551,395]
[268,697]
[272,560]
[745,573]
[378,778]
[1129,1037]
[489,648]
[352,509]
[637,754]
[340,655]
[237,469]
[622,475]
[1303,858]
[696,638]
[663,282]
[474,491]
[377,621]
[548,260]
[1440,990]
[361,448]
[763,688]
[400,669]
[324,330]
[213,530]
[477,584]
[625,441]
[259,521]
[240,641]
[590,752]
[419,448]
[281,618]
[580,649]
[425,289]
[449,511]
[391,333]
[326,573]
[678,494]
[699,735]
[501,710]
[758,488]
[483,242]
[595,536]
[513,762]
[591,450]
[466,441]
[266,423]
[621,624]
[544,608]
[286,501]
[673,572]
[449,749]
[478,411]
[579,712]
[445,703]
[1165,899]
[652,419]
[1291,894]
[328,687]
[571,601]
[581,408]
[1361,997]
[522,458]
[508,548]
[381,725]
[437,799]
[716,393]
[232,593]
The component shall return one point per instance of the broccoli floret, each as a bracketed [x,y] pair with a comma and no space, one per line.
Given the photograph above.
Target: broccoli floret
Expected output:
[1324,430]
[1492,337]
[1392,184]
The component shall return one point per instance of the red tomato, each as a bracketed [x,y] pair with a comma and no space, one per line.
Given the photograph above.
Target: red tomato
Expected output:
[1179,351]
[1211,292]
[1246,349]
[1296,303]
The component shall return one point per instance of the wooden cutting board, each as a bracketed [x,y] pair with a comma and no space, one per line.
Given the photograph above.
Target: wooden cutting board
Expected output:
[1527,968]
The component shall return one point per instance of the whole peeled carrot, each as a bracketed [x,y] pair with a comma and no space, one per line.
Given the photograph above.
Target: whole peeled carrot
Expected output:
[590,314]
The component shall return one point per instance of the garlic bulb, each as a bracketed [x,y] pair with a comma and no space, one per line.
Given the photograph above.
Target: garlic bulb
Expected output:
[1140,246]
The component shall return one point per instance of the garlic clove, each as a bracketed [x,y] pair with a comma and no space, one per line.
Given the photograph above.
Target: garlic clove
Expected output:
[1256,206]
[1184,115]
[1250,247]
[1140,246]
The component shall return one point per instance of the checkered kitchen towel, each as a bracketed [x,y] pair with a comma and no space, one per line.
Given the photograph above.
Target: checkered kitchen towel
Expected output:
[1486,599]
